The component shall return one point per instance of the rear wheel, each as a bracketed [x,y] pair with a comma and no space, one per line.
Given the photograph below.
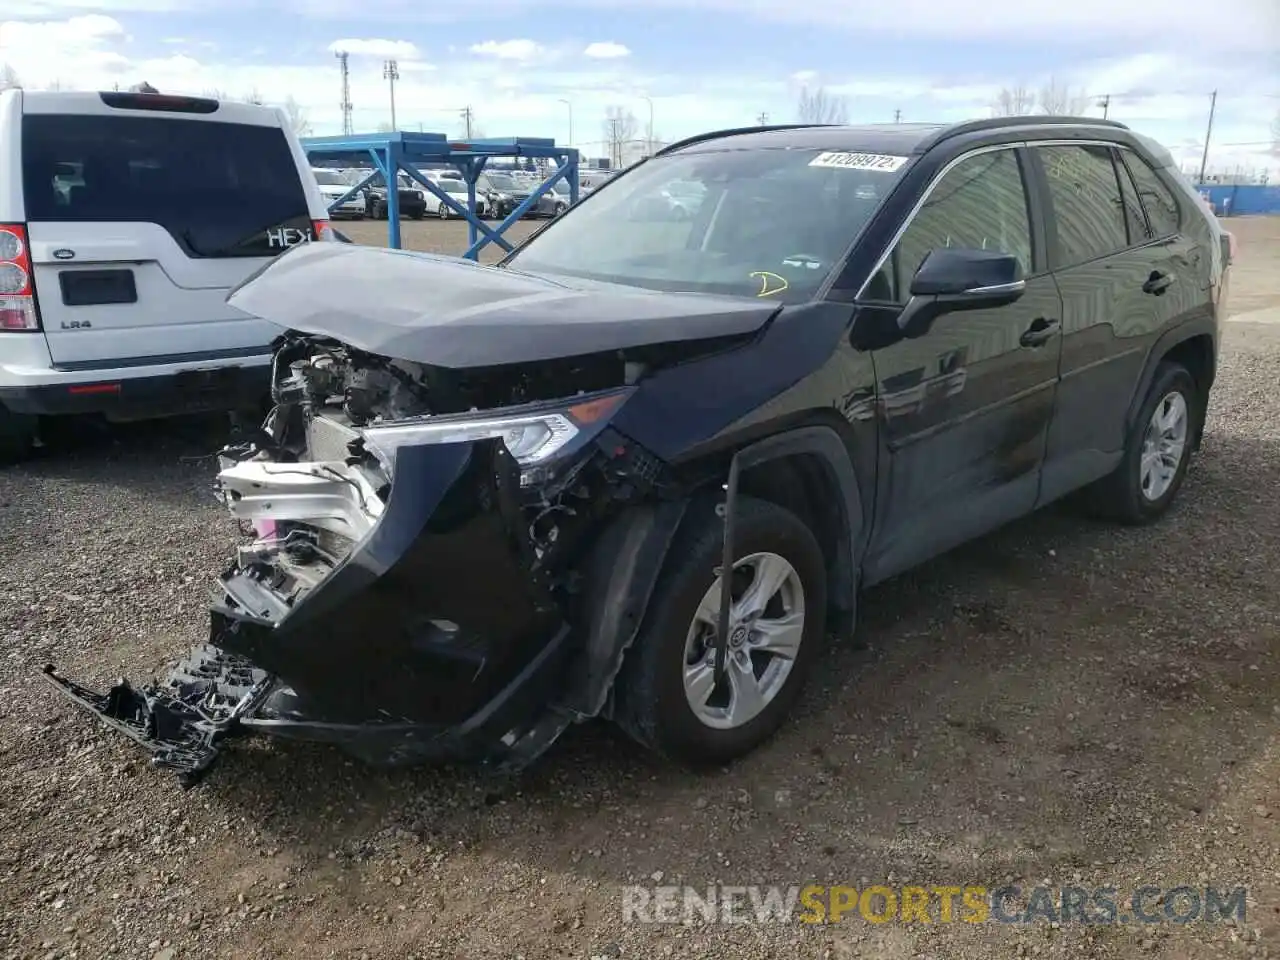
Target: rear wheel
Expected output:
[17,435]
[1157,451]
[668,697]
[442,212]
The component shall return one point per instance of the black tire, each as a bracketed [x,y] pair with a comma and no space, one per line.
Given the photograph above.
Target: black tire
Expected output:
[651,705]
[419,213]
[561,208]
[442,212]
[1119,496]
[17,436]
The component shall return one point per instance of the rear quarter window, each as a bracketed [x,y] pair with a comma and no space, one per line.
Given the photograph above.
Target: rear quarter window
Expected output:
[219,189]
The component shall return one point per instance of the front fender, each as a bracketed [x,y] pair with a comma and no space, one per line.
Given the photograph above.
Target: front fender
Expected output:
[622,570]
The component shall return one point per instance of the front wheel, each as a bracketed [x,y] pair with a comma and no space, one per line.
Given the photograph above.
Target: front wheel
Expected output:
[442,212]
[1157,451]
[668,695]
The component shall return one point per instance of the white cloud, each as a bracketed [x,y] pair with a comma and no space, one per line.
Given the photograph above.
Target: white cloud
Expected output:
[65,48]
[606,50]
[375,47]
[507,49]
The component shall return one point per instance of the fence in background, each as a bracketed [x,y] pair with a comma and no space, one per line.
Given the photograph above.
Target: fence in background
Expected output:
[1242,199]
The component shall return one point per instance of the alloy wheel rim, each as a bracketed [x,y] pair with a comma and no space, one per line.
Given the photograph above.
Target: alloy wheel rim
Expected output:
[1163,446]
[766,627]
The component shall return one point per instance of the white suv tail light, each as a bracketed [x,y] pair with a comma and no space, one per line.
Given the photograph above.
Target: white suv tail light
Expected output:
[18,313]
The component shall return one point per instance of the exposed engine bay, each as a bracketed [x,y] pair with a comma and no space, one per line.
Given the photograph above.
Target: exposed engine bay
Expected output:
[327,375]
[312,485]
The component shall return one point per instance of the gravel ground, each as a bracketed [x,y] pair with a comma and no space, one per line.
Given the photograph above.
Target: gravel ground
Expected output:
[1062,701]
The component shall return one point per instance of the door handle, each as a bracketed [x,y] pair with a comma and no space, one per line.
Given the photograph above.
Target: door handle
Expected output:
[1039,333]
[1157,283]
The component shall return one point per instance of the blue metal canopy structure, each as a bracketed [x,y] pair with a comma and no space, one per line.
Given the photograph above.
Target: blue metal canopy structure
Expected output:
[403,152]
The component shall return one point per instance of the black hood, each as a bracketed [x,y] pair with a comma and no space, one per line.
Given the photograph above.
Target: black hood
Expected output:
[451,312]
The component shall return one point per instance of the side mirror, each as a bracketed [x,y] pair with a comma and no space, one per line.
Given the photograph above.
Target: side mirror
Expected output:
[953,279]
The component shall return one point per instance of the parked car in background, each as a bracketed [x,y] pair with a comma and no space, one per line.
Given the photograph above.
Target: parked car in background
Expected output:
[334,185]
[458,191]
[125,220]
[641,469]
[505,192]
[411,196]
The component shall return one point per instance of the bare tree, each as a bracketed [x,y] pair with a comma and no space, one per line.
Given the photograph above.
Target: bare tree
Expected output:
[619,130]
[1013,101]
[297,117]
[1057,99]
[214,93]
[9,78]
[1275,134]
[818,106]
[253,96]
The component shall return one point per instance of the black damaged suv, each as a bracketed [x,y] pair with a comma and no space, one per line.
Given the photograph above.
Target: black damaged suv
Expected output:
[642,468]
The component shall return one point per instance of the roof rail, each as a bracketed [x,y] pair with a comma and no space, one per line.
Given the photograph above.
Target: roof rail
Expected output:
[736,131]
[997,123]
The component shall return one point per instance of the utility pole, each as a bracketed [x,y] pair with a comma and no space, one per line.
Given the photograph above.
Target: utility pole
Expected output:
[763,119]
[649,139]
[1105,103]
[391,73]
[346,94]
[1204,159]
[897,116]
[570,106]
[467,117]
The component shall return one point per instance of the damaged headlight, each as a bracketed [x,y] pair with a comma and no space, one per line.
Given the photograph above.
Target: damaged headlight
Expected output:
[532,437]
[529,439]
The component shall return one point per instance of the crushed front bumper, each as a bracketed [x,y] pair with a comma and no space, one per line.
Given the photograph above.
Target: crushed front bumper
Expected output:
[432,638]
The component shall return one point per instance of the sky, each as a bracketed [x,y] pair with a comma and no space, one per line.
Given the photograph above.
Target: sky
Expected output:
[536,67]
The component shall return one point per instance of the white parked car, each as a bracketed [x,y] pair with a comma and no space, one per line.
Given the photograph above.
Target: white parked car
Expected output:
[333,186]
[125,221]
[457,189]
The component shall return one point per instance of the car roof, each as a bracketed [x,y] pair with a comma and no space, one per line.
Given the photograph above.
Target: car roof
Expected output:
[898,139]
[82,103]
[892,138]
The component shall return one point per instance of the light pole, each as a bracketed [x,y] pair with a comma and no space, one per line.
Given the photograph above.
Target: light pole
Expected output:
[391,73]
[570,106]
[649,139]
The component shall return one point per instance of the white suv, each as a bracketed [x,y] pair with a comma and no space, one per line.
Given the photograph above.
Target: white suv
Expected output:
[125,220]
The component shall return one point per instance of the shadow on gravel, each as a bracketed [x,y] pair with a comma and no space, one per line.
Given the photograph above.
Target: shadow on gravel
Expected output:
[146,456]
[1054,697]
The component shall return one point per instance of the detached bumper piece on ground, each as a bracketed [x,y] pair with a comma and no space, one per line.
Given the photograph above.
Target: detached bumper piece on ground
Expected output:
[183,721]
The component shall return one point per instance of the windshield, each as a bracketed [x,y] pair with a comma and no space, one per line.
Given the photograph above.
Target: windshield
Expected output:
[767,223]
[452,186]
[500,182]
[330,178]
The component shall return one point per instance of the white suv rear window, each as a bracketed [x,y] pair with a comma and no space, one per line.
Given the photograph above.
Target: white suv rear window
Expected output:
[219,189]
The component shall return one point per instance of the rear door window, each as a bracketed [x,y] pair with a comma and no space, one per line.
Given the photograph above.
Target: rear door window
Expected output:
[219,189]
[1086,202]
[1134,217]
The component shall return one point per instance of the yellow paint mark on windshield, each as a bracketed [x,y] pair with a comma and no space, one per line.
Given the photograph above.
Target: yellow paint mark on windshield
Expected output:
[770,283]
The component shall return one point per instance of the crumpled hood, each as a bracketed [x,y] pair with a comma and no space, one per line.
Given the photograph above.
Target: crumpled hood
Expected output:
[451,312]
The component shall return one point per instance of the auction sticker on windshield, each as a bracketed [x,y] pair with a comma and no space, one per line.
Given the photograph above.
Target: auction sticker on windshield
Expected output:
[859,161]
